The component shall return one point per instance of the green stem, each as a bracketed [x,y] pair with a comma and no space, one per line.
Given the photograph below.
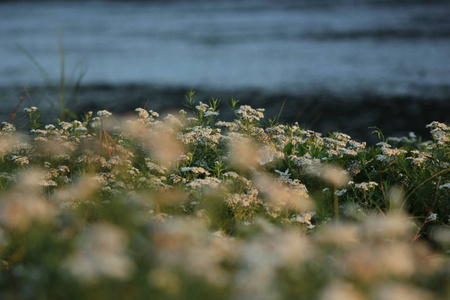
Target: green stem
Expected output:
[62,83]
[417,187]
[336,204]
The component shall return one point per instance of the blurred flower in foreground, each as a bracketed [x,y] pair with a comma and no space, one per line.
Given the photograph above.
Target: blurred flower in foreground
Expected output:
[18,211]
[9,142]
[164,147]
[83,188]
[185,243]
[160,140]
[243,154]
[101,252]
[22,206]
[292,195]
[334,175]
[399,291]
[441,235]
[340,290]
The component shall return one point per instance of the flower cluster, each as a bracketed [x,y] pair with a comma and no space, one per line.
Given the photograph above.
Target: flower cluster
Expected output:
[188,207]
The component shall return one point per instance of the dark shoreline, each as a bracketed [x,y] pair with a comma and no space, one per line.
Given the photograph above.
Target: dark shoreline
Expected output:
[322,112]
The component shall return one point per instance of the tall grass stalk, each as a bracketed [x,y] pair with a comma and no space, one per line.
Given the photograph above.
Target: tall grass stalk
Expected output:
[67,99]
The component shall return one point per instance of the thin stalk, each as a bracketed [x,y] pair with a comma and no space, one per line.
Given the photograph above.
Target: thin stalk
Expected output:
[436,193]
[417,187]
[281,110]
[41,69]
[336,204]
[62,82]
[13,114]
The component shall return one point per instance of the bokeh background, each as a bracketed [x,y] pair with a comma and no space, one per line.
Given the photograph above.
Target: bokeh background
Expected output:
[336,64]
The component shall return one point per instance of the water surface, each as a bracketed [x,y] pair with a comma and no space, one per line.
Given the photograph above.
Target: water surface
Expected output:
[342,47]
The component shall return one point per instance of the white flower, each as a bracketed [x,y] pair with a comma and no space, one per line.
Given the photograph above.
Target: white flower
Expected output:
[48,183]
[202,107]
[65,125]
[104,113]
[100,251]
[267,154]
[211,113]
[383,158]
[445,186]
[340,192]
[244,200]
[50,127]
[22,160]
[30,109]
[305,218]
[245,112]
[432,217]
[7,128]
[81,128]
[208,181]
[195,170]
[383,144]
[365,186]
[96,123]
[64,169]
[284,174]
[143,114]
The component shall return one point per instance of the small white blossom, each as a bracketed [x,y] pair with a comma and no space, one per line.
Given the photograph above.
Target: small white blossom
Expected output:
[202,107]
[285,174]
[195,170]
[211,113]
[305,218]
[432,217]
[143,114]
[30,109]
[340,192]
[365,186]
[81,128]
[445,186]
[50,127]
[104,113]
[48,183]
[65,125]
[22,160]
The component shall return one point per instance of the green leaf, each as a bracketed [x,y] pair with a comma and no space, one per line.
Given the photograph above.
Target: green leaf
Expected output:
[288,148]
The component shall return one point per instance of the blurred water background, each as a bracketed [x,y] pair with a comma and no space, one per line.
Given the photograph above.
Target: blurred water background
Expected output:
[332,60]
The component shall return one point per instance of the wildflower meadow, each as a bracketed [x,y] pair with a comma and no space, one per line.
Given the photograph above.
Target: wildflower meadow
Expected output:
[188,206]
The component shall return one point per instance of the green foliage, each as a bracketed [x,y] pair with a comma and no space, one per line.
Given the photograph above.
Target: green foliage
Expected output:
[187,206]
